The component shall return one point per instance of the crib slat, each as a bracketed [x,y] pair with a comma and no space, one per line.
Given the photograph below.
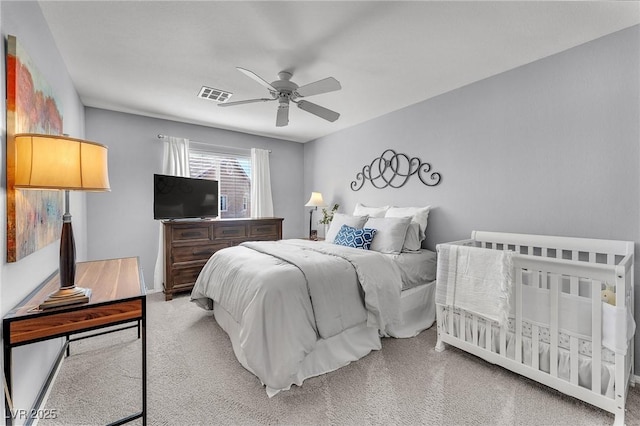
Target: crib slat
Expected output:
[519,315]
[462,326]
[488,330]
[553,322]
[450,323]
[474,330]
[574,360]
[503,340]
[574,283]
[535,347]
[611,259]
[596,336]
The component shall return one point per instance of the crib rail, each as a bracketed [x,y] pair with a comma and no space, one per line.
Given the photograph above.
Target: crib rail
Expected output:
[566,268]
[572,244]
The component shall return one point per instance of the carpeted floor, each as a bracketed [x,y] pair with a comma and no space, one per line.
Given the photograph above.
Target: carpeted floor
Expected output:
[195,379]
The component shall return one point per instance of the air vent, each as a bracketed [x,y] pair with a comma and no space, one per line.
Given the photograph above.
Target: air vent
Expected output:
[214,94]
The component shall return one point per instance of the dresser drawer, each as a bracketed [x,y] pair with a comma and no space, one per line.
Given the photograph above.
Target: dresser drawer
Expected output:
[182,277]
[190,232]
[229,231]
[263,230]
[195,252]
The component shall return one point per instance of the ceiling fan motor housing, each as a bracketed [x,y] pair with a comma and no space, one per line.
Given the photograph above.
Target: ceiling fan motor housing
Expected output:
[285,88]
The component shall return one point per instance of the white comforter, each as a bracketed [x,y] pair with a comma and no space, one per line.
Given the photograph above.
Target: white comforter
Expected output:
[287,294]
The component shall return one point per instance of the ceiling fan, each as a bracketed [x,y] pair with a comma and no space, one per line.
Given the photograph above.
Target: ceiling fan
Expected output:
[284,91]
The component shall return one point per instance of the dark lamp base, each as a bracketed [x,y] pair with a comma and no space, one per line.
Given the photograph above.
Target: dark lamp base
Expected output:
[66,296]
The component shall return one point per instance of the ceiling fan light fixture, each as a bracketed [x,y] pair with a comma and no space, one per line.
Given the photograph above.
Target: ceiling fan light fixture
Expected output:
[282,117]
[212,94]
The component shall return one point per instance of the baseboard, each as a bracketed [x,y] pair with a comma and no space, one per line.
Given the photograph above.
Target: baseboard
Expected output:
[636,379]
[41,399]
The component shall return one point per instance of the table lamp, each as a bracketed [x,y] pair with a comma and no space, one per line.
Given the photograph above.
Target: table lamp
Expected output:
[49,162]
[315,201]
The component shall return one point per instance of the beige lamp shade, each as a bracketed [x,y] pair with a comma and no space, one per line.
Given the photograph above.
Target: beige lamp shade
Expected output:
[59,162]
[315,200]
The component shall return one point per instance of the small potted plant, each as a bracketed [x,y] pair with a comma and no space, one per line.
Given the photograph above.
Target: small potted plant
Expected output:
[327,217]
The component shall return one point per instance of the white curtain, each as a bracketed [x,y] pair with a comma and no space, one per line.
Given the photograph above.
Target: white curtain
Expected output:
[176,157]
[175,163]
[261,200]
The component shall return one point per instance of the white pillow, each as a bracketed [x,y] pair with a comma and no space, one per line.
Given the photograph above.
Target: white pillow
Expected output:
[340,219]
[412,241]
[390,233]
[417,214]
[362,210]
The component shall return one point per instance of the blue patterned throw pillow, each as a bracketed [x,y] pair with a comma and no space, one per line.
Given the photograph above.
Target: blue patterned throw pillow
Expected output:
[354,237]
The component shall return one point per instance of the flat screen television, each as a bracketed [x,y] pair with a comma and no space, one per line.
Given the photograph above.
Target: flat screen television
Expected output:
[184,198]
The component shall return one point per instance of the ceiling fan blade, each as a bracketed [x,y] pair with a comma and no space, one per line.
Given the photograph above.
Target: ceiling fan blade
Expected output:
[282,118]
[321,112]
[248,101]
[328,84]
[257,78]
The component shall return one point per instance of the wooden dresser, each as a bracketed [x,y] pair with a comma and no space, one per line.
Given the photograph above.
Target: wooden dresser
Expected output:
[189,244]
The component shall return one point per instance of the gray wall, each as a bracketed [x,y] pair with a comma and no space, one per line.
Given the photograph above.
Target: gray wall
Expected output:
[548,148]
[31,363]
[122,220]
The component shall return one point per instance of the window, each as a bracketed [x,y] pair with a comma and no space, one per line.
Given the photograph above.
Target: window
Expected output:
[223,203]
[232,171]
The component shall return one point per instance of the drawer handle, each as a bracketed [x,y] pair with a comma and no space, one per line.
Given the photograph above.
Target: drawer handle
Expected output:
[191,234]
[263,229]
[229,231]
[203,252]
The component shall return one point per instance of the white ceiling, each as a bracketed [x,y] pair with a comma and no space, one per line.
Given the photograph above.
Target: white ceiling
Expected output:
[152,57]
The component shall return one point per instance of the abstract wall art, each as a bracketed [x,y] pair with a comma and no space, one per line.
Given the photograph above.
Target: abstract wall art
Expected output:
[34,218]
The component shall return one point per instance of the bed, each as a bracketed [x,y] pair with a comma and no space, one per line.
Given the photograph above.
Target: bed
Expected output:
[295,309]
[534,305]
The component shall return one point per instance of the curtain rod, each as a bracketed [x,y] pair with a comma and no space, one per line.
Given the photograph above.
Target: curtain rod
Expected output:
[161,136]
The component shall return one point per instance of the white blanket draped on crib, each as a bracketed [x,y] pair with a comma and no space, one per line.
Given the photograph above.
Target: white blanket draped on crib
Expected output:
[475,279]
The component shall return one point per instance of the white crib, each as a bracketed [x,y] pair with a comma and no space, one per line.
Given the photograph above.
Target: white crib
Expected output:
[553,276]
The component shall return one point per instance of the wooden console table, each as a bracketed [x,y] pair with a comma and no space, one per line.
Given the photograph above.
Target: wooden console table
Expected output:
[118,297]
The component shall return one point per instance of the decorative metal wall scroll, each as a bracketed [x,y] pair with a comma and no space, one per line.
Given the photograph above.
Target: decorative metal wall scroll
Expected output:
[394,170]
